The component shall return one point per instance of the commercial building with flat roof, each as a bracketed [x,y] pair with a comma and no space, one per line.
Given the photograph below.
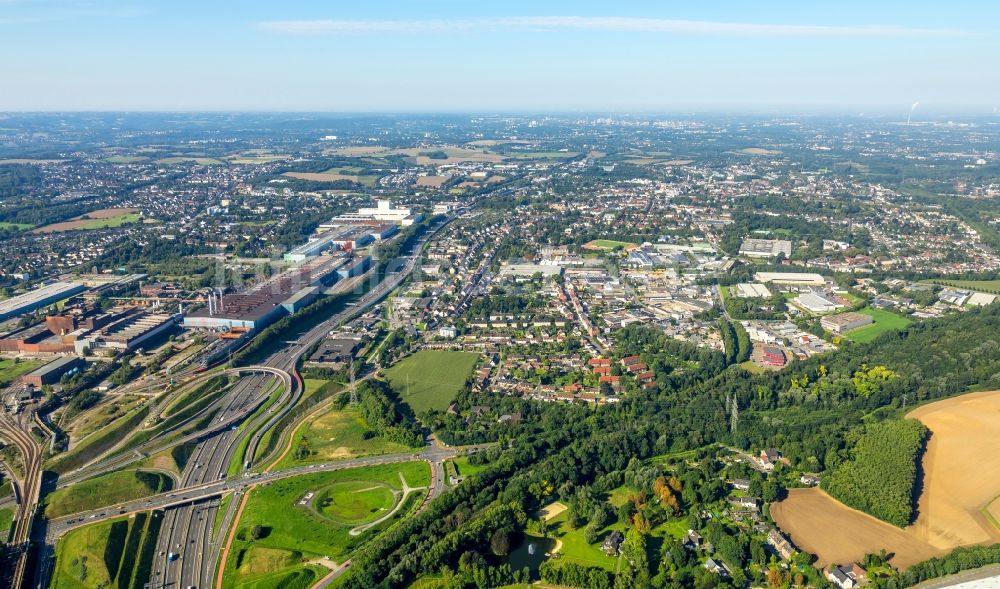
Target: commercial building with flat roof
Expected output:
[749,290]
[38,298]
[815,302]
[765,248]
[845,322]
[790,278]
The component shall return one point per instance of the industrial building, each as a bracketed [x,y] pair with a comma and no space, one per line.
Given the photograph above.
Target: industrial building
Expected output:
[128,332]
[765,248]
[816,302]
[265,303]
[845,322]
[383,211]
[790,278]
[336,236]
[38,298]
[749,290]
[355,268]
[52,372]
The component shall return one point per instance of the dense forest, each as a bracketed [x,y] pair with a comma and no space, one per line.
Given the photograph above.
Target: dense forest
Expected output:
[881,476]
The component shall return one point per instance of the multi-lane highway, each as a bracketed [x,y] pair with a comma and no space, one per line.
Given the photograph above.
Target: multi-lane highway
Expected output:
[190,511]
[17,429]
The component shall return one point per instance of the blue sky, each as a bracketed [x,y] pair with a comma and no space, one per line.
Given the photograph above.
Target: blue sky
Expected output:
[452,55]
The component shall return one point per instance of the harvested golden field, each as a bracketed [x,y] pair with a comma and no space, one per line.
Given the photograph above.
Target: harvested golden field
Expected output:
[30,161]
[431,181]
[955,506]
[359,150]
[760,151]
[818,523]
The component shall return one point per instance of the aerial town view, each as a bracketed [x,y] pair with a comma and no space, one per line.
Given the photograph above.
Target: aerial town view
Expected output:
[451,296]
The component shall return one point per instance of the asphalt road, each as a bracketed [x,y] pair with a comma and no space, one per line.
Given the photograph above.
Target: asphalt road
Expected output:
[189,512]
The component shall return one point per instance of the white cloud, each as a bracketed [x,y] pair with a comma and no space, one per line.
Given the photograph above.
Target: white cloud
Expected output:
[597,23]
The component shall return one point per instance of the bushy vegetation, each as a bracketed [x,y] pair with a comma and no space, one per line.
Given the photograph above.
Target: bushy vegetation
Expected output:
[881,476]
[807,411]
[384,415]
[961,559]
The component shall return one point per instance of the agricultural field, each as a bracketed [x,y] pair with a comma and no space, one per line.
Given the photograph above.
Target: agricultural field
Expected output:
[107,489]
[296,530]
[957,507]
[431,181]
[253,159]
[201,161]
[760,151]
[100,219]
[884,321]
[987,286]
[116,552]
[335,175]
[430,379]
[608,244]
[11,369]
[18,226]
[125,159]
[541,155]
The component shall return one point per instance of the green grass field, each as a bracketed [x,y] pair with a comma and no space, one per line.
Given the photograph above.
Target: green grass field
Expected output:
[116,552]
[116,221]
[337,435]
[6,519]
[430,379]
[21,226]
[608,244]
[354,502]
[884,321]
[107,489]
[11,370]
[295,534]
[465,469]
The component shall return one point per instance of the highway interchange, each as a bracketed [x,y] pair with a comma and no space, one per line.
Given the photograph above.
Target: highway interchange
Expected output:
[191,509]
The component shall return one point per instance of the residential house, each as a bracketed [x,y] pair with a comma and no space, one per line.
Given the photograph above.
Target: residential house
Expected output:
[613,543]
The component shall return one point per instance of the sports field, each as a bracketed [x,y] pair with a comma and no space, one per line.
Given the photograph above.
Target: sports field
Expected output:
[884,321]
[299,528]
[957,507]
[430,379]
